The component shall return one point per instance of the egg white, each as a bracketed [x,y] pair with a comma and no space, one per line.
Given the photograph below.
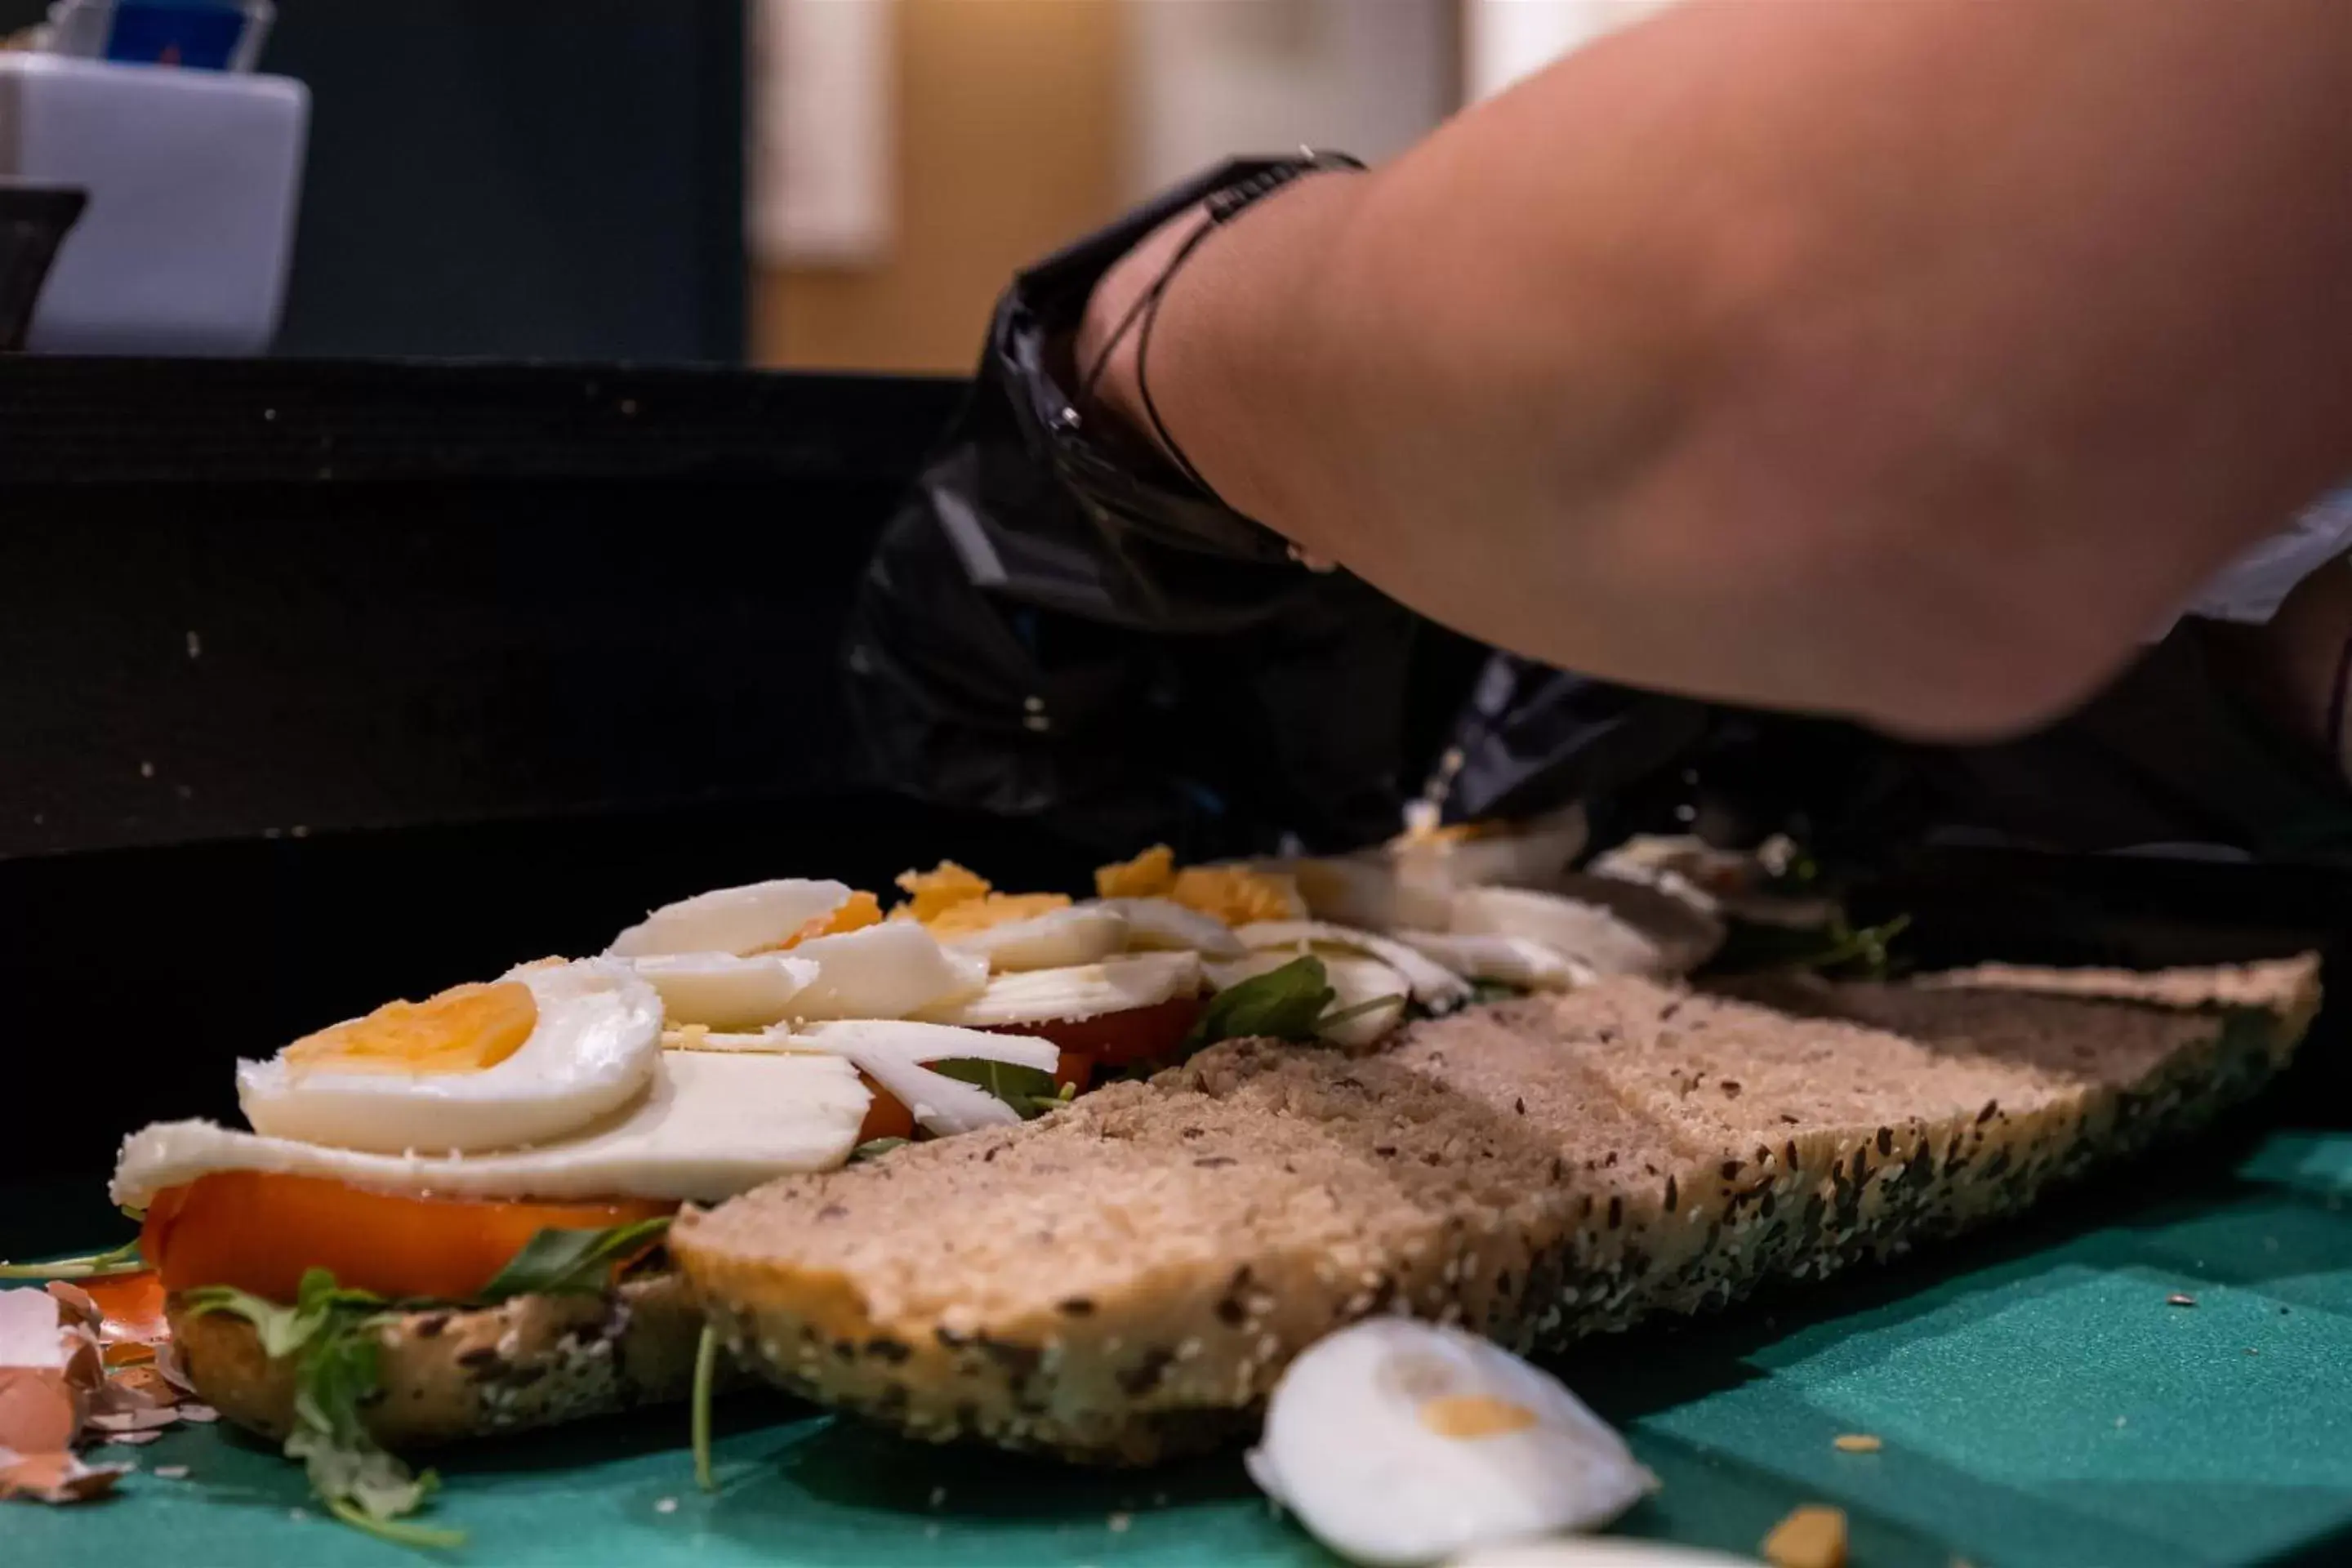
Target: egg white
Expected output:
[1055,940]
[1612,927]
[590,1052]
[1350,1449]
[720,991]
[732,919]
[707,1126]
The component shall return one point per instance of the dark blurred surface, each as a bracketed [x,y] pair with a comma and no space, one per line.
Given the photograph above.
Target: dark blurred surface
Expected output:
[323,684]
[557,179]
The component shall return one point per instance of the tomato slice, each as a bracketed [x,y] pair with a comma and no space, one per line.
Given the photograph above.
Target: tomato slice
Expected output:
[1152,1034]
[260,1230]
[886,1117]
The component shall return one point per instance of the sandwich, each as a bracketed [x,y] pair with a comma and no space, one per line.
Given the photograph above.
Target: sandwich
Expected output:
[1125,1281]
[447,1218]
[779,1130]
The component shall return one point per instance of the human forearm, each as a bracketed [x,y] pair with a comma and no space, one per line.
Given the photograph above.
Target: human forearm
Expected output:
[1899,360]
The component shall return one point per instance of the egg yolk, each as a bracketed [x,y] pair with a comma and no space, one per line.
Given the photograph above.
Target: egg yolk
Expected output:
[933,893]
[465,1029]
[856,912]
[1474,1416]
[951,901]
[1147,876]
[1234,894]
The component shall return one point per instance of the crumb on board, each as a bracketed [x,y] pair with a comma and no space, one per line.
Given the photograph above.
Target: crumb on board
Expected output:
[1856,1443]
[664,1505]
[1119,1523]
[170,1472]
[1812,1536]
[2181,1298]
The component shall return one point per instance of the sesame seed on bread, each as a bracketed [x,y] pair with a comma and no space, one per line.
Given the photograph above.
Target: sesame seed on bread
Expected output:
[1125,1280]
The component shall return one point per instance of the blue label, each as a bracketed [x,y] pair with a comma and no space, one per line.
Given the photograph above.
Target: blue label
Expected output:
[147,32]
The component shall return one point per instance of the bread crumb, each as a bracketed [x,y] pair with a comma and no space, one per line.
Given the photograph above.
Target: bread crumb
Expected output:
[1812,1537]
[170,1472]
[1857,1443]
[1119,1522]
[2181,1298]
[664,1505]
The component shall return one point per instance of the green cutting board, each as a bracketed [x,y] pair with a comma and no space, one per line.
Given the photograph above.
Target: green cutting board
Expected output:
[2040,1399]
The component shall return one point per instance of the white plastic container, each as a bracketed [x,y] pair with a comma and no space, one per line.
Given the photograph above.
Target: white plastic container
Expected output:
[194,178]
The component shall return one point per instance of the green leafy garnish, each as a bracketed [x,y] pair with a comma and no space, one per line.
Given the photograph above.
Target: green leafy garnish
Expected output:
[1029,1090]
[872,1147]
[1859,954]
[123,1260]
[1285,1003]
[1482,991]
[706,1373]
[333,1336]
[572,1262]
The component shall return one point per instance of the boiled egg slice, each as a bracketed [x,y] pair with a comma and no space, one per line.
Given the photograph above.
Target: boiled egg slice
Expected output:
[885,970]
[1399,1443]
[721,991]
[743,920]
[1371,890]
[1056,938]
[545,1051]
[706,1127]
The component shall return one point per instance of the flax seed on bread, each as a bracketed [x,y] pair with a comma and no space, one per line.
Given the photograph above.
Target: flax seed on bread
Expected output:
[534,1361]
[1125,1280]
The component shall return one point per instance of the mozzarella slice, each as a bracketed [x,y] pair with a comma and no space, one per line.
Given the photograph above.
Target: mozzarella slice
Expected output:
[1162,924]
[1434,985]
[1373,891]
[885,970]
[1087,991]
[1513,960]
[893,1051]
[1615,928]
[707,1127]
[721,991]
[591,1051]
[732,919]
[1055,940]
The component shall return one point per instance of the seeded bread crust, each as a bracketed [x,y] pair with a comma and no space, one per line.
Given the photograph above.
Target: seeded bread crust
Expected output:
[1124,1280]
[535,1360]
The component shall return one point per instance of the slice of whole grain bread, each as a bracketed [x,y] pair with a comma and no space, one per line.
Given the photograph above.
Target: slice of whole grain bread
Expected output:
[1124,1280]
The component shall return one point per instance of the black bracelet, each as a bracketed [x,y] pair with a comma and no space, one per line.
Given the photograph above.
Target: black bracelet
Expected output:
[1220,208]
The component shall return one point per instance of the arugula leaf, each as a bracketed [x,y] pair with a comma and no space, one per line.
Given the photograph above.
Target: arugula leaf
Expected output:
[1285,1003]
[572,1262]
[1029,1090]
[123,1260]
[874,1147]
[1863,952]
[706,1374]
[1496,991]
[333,1334]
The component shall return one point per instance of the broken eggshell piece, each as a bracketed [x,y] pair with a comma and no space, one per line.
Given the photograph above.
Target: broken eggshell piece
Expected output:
[1399,1443]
